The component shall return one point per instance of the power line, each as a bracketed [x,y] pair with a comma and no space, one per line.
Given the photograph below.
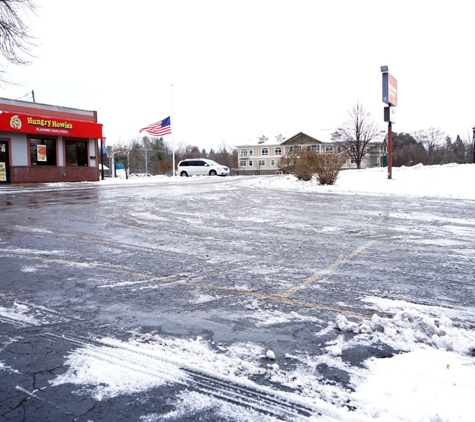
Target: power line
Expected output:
[29,95]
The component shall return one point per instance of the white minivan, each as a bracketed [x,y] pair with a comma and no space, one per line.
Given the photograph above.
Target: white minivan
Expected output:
[201,167]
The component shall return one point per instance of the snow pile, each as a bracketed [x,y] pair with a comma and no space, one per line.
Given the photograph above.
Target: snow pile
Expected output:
[410,326]
[423,385]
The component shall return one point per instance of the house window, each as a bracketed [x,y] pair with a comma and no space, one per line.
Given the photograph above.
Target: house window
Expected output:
[272,162]
[316,148]
[42,152]
[244,153]
[250,152]
[242,163]
[329,149]
[250,163]
[76,153]
[265,151]
[262,163]
[339,149]
[278,151]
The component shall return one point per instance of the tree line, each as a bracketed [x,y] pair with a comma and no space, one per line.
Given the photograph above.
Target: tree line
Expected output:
[429,147]
[155,155]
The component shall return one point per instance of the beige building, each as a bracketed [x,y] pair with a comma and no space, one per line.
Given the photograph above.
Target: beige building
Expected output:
[262,156]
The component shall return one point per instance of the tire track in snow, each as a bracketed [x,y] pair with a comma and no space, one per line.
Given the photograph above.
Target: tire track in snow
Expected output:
[165,370]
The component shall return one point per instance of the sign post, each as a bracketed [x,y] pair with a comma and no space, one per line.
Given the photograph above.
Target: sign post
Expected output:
[389,98]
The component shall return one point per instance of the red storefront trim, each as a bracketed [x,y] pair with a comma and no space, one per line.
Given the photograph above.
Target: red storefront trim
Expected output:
[47,125]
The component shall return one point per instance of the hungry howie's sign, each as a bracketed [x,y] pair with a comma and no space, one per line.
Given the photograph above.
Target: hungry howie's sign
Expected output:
[26,123]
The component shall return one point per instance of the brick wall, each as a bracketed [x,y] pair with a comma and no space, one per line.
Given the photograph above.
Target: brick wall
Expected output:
[51,174]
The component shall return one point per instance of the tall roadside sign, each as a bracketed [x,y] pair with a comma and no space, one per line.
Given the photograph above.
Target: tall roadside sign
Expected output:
[389,98]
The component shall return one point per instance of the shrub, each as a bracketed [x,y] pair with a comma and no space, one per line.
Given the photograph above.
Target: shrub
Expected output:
[305,164]
[328,167]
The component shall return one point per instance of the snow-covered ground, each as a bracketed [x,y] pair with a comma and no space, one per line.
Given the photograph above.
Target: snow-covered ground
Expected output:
[446,181]
[433,379]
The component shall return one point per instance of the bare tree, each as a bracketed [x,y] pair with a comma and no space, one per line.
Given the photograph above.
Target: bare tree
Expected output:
[470,147]
[15,40]
[226,155]
[358,132]
[120,152]
[432,140]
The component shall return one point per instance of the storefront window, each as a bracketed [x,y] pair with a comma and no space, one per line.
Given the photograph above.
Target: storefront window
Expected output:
[76,153]
[42,152]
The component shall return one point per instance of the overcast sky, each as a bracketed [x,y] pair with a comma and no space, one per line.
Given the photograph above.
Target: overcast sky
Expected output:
[241,69]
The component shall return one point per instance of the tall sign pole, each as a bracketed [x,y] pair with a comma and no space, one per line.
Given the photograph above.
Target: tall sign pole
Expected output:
[389,98]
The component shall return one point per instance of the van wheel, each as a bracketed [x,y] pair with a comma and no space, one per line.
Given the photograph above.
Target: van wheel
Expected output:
[212,173]
[184,174]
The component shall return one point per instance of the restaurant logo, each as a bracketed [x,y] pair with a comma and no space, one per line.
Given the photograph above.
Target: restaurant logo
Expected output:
[50,124]
[15,122]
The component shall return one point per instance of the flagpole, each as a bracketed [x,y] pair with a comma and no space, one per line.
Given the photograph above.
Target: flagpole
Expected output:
[173,136]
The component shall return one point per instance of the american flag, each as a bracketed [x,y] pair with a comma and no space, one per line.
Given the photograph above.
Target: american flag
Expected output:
[163,127]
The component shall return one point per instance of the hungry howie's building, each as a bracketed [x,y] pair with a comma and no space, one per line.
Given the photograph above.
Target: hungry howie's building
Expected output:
[41,143]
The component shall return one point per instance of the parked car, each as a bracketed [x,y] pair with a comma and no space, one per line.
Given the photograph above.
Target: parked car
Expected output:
[201,167]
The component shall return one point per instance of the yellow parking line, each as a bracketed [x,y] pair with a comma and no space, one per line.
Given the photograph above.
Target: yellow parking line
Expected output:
[332,267]
[277,298]
[286,300]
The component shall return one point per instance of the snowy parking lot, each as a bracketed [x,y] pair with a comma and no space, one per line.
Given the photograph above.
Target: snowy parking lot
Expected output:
[240,298]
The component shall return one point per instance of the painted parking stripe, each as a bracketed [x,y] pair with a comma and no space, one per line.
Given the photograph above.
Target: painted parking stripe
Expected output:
[145,278]
[327,270]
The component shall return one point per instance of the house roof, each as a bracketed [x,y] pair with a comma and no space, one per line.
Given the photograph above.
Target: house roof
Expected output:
[321,136]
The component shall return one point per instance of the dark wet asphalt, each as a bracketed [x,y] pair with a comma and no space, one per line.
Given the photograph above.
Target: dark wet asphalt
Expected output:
[108,260]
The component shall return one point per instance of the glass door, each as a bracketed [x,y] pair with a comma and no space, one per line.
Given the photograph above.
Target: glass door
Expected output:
[4,163]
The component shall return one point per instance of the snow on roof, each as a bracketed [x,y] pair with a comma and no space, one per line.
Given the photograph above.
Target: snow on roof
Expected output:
[321,135]
[282,137]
